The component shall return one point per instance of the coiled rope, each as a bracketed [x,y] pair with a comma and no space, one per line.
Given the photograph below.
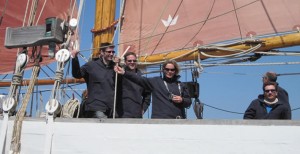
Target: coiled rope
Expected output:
[71,109]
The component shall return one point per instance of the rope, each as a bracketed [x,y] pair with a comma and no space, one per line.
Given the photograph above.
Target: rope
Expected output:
[241,52]
[204,23]
[42,10]
[3,132]
[15,146]
[159,62]
[17,79]
[3,12]
[25,14]
[222,109]
[32,12]
[118,27]
[157,23]
[59,75]
[256,64]
[280,54]
[167,26]
[70,108]
[16,82]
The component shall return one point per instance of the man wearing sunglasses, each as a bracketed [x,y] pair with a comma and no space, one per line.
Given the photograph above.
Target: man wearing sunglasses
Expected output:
[282,93]
[100,80]
[268,105]
[135,99]
[170,97]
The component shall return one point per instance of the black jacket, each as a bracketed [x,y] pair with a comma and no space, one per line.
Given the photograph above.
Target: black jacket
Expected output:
[162,105]
[100,80]
[283,96]
[257,110]
[135,99]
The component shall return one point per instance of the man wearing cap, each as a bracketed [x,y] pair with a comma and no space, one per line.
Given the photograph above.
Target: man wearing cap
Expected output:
[100,80]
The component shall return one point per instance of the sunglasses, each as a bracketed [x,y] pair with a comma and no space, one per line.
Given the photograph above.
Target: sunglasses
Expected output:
[110,52]
[271,90]
[167,69]
[131,61]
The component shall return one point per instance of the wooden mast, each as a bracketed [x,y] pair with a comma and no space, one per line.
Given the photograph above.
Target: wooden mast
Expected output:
[104,19]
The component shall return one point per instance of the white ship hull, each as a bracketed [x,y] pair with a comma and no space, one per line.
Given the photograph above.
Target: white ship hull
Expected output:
[136,136]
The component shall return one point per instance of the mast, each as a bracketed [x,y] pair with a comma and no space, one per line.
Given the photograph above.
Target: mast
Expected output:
[104,23]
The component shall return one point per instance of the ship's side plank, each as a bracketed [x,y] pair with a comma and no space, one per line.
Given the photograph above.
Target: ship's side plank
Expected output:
[72,136]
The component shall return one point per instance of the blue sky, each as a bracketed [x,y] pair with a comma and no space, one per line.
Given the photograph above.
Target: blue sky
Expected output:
[230,88]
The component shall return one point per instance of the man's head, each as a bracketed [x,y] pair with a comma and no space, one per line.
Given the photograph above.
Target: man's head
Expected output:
[270,77]
[130,60]
[170,68]
[107,51]
[270,91]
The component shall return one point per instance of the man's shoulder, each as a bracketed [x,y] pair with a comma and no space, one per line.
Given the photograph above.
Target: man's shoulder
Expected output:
[281,89]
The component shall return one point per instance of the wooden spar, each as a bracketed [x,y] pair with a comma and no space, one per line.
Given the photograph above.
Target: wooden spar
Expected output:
[45,82]
[268,44]
[104,19]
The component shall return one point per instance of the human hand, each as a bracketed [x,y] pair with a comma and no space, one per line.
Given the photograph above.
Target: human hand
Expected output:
[119,70]
[116,59]
[177,99]
[74,53]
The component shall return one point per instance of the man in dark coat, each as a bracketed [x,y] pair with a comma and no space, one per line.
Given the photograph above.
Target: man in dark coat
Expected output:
[268,105]
[100,79]
[282,93]
[135,99]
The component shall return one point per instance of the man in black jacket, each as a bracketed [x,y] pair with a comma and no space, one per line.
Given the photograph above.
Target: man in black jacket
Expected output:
[268,105]
[135,99]
[282,93]
[100,79]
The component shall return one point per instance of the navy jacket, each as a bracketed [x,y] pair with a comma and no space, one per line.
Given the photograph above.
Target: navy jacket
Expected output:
[283,96]
[257,110]
[135,99]
[100,80]
[162,105]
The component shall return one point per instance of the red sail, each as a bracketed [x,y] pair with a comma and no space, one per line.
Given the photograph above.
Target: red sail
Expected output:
[13,16]
[160,26]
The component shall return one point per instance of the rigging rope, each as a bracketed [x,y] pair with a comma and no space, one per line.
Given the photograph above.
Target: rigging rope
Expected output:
[3,12]
[70,108]
[256,64]
[167,27]
[157,23]
[204,22]
[32,12]
[41,12]
[241,53]
[15,146]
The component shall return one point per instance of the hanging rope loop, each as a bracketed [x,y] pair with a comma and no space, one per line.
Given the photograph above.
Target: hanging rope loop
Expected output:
[59,74]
